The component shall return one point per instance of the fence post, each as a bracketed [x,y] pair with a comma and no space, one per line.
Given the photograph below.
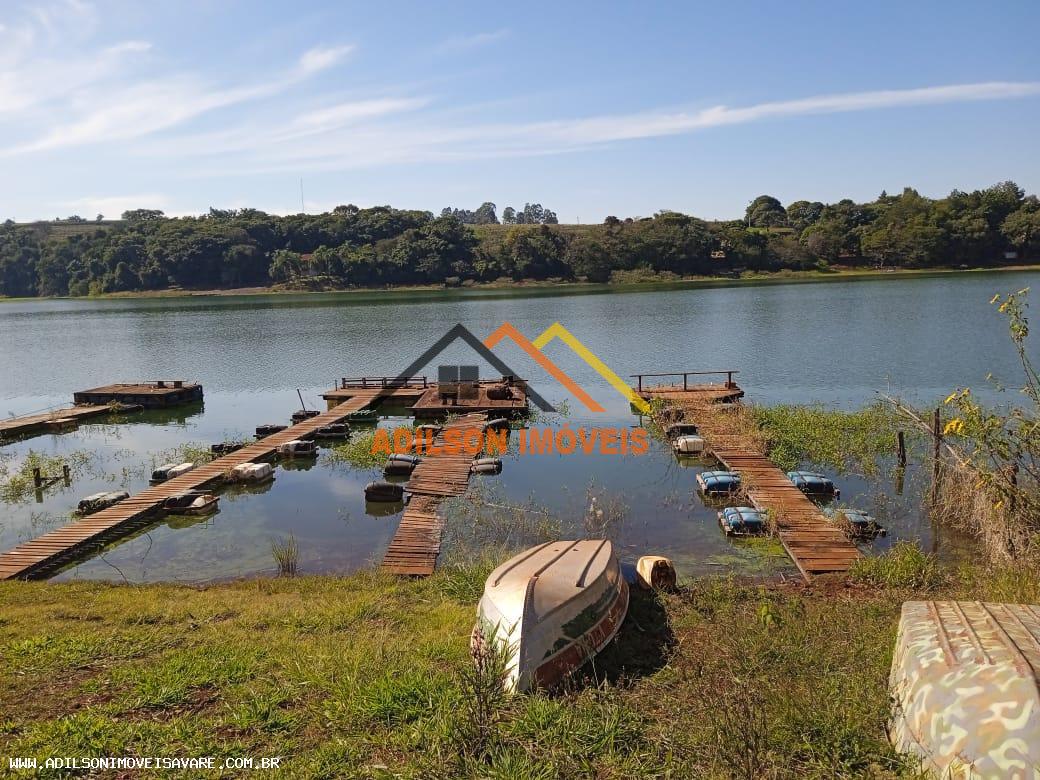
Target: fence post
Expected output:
[936,442]
[902,449]
[685,386]
[37,477]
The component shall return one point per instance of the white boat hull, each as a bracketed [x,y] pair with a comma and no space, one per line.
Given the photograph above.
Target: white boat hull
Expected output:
[551,609]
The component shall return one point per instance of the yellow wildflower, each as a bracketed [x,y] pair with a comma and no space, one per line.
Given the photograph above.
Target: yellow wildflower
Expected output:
[954,426]
[950,397]
[995,298]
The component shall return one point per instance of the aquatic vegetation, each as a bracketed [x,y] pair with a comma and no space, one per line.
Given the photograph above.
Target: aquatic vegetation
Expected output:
[356,451]
[16,485]
[286,554]
[989,483]
[481,523]
[841,440]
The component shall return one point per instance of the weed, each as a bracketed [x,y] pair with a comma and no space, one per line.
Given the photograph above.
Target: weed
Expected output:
[286,555]
[905,565]
[357,452]
[829,437]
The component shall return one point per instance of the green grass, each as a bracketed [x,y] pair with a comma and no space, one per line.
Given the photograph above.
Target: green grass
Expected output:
[841,440]
[365,676]
[357,452]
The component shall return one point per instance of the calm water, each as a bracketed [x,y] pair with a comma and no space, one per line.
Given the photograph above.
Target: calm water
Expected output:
[837,343]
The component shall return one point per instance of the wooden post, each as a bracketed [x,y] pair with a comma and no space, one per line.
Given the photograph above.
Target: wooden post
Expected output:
[902,449]
[936,443]
[66,473]
[640,378]
[684,385]
[37,477]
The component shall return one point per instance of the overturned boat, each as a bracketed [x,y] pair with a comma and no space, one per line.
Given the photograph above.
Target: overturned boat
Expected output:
[551,609]
[965,688]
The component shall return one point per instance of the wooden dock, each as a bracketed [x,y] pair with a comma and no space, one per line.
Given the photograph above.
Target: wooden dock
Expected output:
[417,542]
[53,421]
[152,395]
[427,399]
[814,543]
[45,553]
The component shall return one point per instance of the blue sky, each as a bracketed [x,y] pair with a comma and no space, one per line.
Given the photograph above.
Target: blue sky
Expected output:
[588,108]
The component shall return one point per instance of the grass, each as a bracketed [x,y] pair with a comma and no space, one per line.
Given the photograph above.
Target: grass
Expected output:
[16,485]
[357,452]
[841,440]
[369,676]
[287,555]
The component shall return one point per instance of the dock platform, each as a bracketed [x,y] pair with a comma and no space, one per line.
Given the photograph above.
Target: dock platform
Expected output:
[151,395]
[414,549]
[52,421]
[42,555]
[427,399]
[814,543]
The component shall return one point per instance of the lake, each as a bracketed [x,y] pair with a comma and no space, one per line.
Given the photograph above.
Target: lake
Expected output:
[837,343]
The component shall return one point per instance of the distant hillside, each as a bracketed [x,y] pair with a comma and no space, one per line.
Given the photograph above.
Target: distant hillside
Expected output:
[383,246]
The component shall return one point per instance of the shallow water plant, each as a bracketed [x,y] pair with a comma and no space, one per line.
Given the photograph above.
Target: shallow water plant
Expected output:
[287,555]
[841,440]
[357,452]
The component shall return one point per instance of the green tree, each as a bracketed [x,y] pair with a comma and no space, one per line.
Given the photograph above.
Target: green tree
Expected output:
[765,211]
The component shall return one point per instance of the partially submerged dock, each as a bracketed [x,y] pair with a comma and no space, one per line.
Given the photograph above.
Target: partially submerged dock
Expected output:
[814,543]
[44,554]
[119,397]
[53,421]
[417,543]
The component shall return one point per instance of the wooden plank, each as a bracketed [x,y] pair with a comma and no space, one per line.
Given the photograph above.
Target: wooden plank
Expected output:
[811,540]
[32,558]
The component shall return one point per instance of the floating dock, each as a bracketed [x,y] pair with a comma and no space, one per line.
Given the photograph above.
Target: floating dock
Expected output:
[42,555]
[814,543]
[417,543]
[49,422]
[426,399]
[151,395]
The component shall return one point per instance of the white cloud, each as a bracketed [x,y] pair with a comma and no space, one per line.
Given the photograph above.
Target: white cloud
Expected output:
[129,47]
[343,145]
[474,41]
[145,106]
[322,58]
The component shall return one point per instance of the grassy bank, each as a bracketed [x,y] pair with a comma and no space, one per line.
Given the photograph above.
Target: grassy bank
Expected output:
[361,677]
[625,282]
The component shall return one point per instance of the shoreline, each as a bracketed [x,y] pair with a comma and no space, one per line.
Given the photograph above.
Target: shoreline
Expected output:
[694,282]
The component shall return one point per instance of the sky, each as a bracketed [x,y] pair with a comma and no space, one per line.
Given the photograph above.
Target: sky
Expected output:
[589,108]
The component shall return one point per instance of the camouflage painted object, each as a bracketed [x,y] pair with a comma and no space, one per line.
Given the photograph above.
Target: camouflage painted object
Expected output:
[964,685]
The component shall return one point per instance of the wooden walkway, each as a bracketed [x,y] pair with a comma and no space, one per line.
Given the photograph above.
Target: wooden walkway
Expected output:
[814,543]
[11,427]
[42,555]
[417,543]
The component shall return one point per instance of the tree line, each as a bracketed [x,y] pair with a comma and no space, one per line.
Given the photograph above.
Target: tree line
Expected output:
[381,246]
